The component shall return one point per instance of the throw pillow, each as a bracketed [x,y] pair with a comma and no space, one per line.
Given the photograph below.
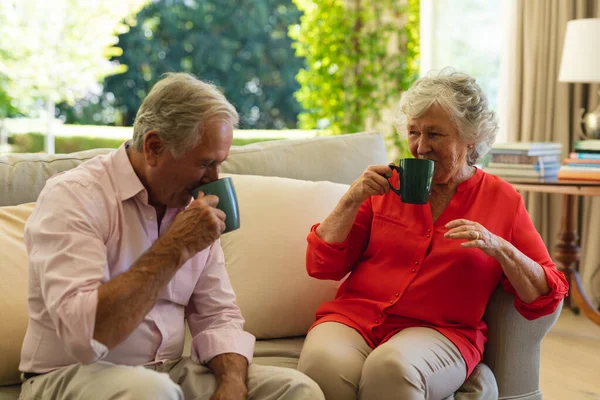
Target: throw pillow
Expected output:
[13,290]
[266,257]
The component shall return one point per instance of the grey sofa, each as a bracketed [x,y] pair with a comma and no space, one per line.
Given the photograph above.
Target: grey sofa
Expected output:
[513,349]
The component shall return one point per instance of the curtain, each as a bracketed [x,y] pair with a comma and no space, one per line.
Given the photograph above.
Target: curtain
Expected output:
[539,108]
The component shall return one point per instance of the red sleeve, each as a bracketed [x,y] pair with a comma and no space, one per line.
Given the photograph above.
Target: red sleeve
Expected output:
[334,260]
[527,240]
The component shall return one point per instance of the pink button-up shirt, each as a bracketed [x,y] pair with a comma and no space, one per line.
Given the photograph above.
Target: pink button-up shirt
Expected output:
[91,224]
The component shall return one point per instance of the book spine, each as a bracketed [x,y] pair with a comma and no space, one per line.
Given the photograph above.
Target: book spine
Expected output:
[587,145]
[523,159]
[584,164]
[537,167]
[588,176]
[585,156]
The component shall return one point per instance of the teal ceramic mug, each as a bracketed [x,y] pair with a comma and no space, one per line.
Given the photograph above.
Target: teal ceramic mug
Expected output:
[223,188]
[415,175]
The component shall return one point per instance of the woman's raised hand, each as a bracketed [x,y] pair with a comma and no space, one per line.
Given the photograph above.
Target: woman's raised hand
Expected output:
[373,181]
[476,236]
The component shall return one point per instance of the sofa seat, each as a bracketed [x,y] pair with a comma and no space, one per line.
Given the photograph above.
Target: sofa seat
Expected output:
[10,392]
[278,352]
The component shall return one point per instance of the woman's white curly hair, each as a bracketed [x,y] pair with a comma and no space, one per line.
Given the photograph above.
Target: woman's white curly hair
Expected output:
[464,101]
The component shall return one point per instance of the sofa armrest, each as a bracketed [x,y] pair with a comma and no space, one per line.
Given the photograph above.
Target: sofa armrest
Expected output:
[513,348]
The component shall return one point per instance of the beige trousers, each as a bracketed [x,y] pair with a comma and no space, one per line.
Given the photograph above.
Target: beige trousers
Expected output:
[416,363]
[174,380]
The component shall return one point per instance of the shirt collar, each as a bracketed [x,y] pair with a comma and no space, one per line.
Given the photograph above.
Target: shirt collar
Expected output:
[472,181]
[128,183]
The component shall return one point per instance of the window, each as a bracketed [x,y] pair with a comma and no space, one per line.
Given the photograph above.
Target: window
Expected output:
[468,35]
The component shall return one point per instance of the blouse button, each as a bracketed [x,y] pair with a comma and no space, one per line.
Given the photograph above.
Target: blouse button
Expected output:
[397,294]
[416,263]
[376,321]
[428,235]
[380,315]
[428,230]
[413,270]
[391,301]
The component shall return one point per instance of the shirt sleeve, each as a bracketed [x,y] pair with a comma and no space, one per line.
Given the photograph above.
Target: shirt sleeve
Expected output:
[334,260]
[68,261]
[527,240]
[215,320]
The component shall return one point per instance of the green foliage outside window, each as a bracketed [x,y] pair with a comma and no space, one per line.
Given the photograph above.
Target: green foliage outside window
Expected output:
[360,56]
[240,45]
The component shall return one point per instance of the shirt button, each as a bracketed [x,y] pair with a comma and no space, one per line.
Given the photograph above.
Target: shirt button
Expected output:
[391,301]
[397,294]
[428,235]
[380,315]
[376,321]
[416,263]
[150,217]
[413,270]
[428,230]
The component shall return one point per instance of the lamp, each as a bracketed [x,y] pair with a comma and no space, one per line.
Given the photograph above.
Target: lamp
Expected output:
[581,63]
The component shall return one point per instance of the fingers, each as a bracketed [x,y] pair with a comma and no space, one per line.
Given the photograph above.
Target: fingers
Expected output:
[220,214]
[473,244]
[467,235]
[459,222]
[460,229]
[209,200]
[464,229]
[378,183]
[382,170]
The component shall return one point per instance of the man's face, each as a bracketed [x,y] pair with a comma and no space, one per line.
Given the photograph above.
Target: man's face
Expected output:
[170,179]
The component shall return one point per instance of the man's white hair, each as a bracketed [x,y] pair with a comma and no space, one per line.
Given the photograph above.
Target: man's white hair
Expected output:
[464,101]
[177,107]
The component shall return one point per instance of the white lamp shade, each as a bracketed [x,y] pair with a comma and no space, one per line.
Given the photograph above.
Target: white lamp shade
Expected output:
[581,51]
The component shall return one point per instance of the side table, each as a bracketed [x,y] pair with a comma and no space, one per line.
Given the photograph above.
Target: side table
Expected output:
[567,251]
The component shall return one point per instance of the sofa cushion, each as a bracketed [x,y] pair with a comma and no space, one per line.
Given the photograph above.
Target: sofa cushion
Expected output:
[278,352]
[329,158]
[266,257]
[24,175]
[338,159]
[13,289]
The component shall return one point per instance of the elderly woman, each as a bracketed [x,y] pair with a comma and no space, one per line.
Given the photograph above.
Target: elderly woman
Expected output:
[407,322]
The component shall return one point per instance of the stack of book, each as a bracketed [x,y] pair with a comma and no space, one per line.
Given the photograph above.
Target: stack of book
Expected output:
[583,163]
[539,160]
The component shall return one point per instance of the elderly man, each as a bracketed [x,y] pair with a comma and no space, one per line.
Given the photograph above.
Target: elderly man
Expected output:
[120,256]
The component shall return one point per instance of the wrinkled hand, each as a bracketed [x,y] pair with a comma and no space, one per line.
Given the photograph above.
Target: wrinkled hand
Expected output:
[476,235]
[374,181]
[231,389]
[199,226]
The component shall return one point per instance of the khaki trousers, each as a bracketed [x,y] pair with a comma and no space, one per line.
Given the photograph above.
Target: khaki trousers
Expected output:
[416,363]
[174,380]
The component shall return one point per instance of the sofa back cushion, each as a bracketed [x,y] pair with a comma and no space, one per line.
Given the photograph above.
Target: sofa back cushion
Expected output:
[329,158]
[13,290]
[338,159]
[266,257]
[23,176]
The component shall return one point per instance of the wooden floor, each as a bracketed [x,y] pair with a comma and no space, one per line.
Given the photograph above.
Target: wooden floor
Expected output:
[570,367]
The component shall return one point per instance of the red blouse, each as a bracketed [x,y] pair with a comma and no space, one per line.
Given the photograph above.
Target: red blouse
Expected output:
[404,273]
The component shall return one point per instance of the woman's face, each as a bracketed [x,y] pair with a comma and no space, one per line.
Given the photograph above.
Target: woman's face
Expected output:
[433,136]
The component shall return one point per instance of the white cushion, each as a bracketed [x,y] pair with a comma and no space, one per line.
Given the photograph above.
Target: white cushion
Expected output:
[13,290]
[266,257]
[328,158]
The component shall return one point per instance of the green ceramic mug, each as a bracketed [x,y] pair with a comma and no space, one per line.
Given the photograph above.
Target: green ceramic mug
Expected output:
[224,190]
[415,175]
